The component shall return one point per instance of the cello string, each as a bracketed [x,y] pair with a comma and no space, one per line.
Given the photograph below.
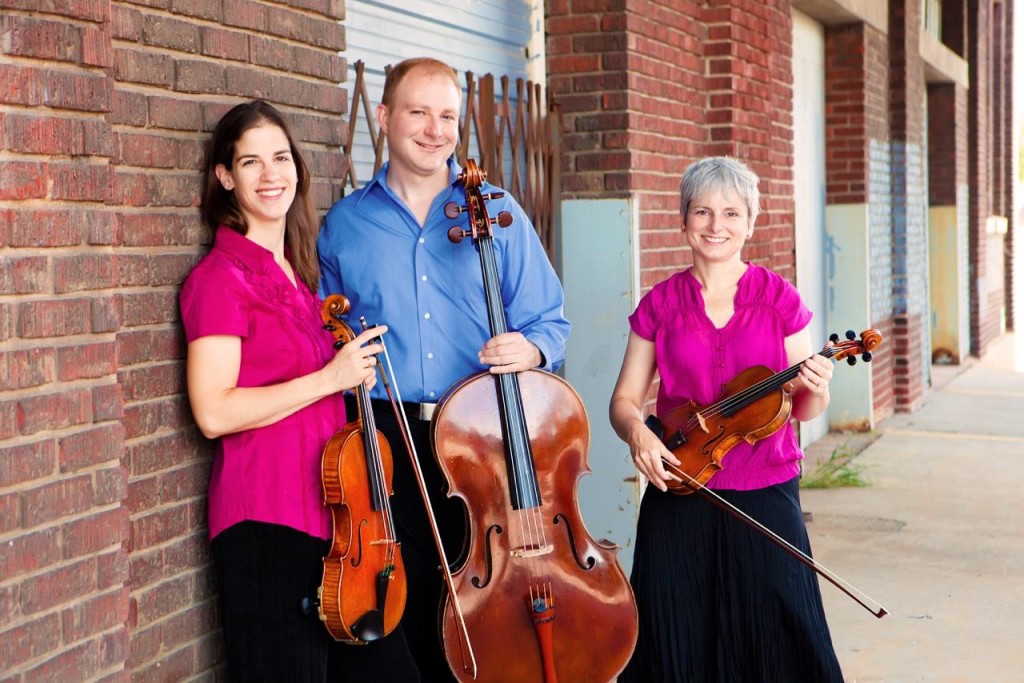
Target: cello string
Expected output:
[527,516]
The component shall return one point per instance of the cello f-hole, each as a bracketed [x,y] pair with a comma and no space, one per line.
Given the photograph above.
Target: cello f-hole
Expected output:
[494,529]
[591,561]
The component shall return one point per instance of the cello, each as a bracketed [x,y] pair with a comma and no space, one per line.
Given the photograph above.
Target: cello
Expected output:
[532,582]
[362,596]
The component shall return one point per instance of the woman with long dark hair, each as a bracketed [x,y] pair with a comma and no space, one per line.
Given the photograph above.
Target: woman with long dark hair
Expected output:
[265,382]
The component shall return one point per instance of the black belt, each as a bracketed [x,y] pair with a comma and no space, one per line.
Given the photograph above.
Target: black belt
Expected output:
[413,411]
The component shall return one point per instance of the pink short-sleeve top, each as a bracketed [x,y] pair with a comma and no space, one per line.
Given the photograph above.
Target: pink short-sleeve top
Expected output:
[272,473]
[695,359]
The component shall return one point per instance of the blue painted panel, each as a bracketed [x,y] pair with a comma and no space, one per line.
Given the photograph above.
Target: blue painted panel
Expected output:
[600,277]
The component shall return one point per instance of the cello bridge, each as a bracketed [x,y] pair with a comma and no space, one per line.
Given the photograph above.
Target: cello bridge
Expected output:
[531,550]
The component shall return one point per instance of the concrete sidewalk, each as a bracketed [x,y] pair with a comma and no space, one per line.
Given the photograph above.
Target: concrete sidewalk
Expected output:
[937,537]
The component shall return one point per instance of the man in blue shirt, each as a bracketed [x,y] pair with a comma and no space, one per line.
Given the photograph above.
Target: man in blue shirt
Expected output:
[386,248]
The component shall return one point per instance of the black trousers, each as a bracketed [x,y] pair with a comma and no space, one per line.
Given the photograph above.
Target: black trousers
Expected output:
[267,575]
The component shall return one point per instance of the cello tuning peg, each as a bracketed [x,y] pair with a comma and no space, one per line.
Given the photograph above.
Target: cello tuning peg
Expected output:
[456,234]
[866,357]
[452,210]
[834,338]
[504,219]
[851,335]
[851,360]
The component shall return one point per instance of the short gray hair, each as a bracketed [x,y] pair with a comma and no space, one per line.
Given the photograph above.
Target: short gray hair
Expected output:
[712,174]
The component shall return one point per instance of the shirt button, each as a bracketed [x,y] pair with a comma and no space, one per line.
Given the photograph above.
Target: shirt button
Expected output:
[423,277]
[431,394]
[430,355]
[426,316]
[422,240]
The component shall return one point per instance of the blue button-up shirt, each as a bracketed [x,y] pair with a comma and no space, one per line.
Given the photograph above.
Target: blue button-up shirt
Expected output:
[428,291]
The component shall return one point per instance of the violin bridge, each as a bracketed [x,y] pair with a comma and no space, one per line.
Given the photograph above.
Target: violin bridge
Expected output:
[703,424]
[531,551]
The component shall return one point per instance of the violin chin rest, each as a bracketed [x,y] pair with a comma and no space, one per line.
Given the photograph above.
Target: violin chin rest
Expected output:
[370,626]
[654,424]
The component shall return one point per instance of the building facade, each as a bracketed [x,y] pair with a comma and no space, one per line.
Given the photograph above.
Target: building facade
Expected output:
[883,133]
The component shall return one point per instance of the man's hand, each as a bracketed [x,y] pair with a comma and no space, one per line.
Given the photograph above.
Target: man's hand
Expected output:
[510,352]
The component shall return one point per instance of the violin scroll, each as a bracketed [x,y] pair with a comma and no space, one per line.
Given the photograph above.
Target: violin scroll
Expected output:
[335,306]
[869,340]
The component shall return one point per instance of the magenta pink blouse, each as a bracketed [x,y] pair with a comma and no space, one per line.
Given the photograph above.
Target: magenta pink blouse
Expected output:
[272,473]
[696,360]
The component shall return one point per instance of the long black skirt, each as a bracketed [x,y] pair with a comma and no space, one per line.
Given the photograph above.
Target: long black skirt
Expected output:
[720,602]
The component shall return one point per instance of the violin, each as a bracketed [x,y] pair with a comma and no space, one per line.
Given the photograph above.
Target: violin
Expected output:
[756,404]
[532,583]
[362,596]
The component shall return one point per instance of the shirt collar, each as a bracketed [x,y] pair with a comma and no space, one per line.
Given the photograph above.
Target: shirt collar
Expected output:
[381,178]
[253,256]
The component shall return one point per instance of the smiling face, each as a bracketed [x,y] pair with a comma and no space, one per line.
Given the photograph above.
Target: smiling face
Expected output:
[421,124]
[717,225]
[263,176]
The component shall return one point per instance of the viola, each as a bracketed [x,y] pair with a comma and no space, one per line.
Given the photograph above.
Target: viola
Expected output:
[756,404]
[363,593]
[541,599]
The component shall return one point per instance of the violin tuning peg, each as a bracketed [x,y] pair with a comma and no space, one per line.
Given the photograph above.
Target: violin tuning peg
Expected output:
[866,357]
[834,338]
[851,335]
[851,360]
[329,327]
[338,344]
[452,210]
[504,219]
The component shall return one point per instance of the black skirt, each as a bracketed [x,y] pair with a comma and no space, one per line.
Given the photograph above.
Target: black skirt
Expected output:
[718,601]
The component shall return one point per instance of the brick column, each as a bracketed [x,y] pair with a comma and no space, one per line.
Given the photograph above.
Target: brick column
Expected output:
[909,210]
[858,171]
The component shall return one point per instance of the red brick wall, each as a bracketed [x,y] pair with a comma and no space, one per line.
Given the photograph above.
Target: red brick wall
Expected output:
[907,92]
[985,305]
[104,105]
[847,118]
[645,89]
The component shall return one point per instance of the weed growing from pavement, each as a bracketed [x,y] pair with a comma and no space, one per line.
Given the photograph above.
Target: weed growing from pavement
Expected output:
[838,471]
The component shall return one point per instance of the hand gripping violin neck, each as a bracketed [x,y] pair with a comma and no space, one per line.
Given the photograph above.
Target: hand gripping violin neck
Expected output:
[363,593]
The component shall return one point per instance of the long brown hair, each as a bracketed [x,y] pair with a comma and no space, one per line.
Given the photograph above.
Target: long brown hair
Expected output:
[220,207]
